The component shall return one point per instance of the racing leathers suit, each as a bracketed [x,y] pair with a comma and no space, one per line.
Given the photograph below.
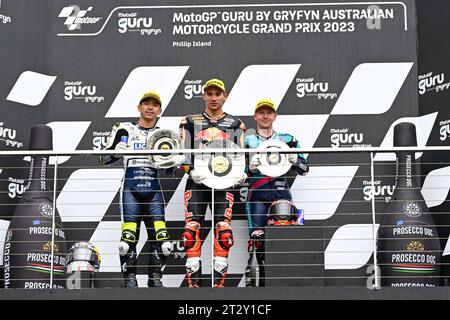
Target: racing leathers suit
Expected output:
[264,190]
[141,199]
[196,131]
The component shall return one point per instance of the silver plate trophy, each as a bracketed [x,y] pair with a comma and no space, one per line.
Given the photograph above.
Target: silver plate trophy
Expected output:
[163,139]
[220,169]
[274,164]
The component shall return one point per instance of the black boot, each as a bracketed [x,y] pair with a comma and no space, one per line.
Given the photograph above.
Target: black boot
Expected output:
[129,268]
[220,271]
[156,266]
[250,270]
[155,280]
[219,279]
[130,281]
[194,279]
[262,269]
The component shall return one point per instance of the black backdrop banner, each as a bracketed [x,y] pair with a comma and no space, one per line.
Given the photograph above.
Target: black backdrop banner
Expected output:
[434,96]
[343,74]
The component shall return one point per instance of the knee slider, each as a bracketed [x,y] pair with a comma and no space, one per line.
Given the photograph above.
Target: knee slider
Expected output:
[191,234]
[126,246]
[224,235]
[123,248]
[192,265]
[257,237]
[166,248]
[221,264]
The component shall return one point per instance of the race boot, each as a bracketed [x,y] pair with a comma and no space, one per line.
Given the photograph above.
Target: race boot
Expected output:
[262,269]
[156,266]
[223,241]
[192,244]
[249,270]
[258,239]
[220,271]
[128,255]
[159,251]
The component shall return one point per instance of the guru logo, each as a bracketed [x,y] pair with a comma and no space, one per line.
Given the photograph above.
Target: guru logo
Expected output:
[129,22]
[76,90]
[308,87]
[15,187]
[378,191]
[343,138]
[100,140]
[444,129]
[193,88]
[8,135]
[429,82]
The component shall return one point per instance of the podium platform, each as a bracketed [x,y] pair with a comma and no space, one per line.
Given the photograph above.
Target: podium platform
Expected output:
[294,256]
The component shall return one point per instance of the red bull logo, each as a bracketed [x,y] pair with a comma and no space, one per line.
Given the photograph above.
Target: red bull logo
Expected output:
[212,134]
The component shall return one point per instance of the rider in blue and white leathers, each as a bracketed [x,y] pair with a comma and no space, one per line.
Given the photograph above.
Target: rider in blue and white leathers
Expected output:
[141,196]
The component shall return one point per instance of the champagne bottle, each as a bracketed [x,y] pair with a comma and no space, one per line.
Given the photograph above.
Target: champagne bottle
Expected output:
[408,244]
[28,243]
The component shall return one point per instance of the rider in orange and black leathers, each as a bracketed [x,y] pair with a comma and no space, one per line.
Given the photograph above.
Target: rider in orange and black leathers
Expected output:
[196,131]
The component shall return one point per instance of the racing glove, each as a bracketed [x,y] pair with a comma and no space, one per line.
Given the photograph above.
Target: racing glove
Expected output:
[292,158]
[304,168]
[240,180]
[179,160]
[197,178]
[121,146]
[161,162]
[255,162]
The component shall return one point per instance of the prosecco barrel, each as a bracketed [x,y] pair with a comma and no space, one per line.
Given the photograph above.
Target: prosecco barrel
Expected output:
[28,244]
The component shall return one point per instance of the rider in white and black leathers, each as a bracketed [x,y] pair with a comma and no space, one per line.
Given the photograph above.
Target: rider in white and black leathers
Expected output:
[141,196]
